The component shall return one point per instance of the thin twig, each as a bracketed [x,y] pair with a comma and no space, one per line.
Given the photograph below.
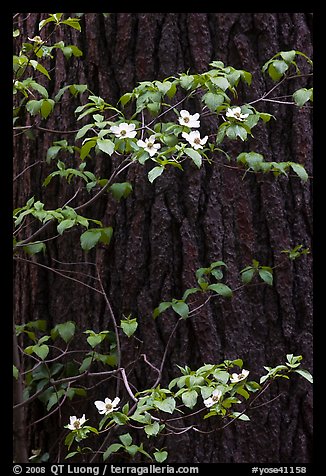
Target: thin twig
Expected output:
[114,322]
[57,272]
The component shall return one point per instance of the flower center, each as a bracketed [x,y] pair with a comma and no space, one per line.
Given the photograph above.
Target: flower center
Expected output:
[123,132]
[186,119]
[197,140]
[215,398]
[77,424]
[150,145]
[109,406]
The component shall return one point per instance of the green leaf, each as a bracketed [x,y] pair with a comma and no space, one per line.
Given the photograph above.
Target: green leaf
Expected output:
[111,449]
[266,276]
[221,82]
[15,372]
[246,76]
[85,364]
[235,130]
[304,373]
[120,190]
[129,326]
[243,392]
[189,398]
[40,68]
[167,405]
[126,439]
[132,449]
[163,306]
[86,147]
[73,23]
[240,416]
[41,350]
[39,88]
[221,375]
[47,20]
[160,456]
[125,98]
[83,130]
[106,146]
[33,106]
[66,330]
[65,225]
[90,238]
[181,308]
[265,116]
[300,171]
[238,362]
[106,235]
[95,340]
[212,100]
[276,69]
[301,96]
[221,289]
[252,386]
[154,173]
[33,248]
[194,155]
[152,429]
[288,56]
[186,81]
[188,292]
[119,418]
[52,152]
[154,108]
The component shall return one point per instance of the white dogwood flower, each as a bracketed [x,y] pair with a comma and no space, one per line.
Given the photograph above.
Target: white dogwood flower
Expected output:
[124,130]
[194,139]
[149,145]
[238,377]
[235,113]
[76,423]
[107,406]
[189,120]
[216,395]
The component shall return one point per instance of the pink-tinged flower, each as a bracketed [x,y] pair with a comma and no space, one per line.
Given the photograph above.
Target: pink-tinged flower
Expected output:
[76,423]
[238,377]
[216,395]
[124,130]
[107,406]
[149,145]
[194,139]
[235,113]
[186,119]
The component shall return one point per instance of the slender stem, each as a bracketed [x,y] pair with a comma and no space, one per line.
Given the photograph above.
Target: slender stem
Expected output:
[114,322]
[30,166]
[126,383]
[165,353]
[51,413]
[57,272]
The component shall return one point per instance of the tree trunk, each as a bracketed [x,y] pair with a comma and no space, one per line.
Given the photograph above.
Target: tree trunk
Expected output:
[164,231]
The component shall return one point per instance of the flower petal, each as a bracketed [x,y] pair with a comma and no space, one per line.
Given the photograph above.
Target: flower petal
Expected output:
[208,402]
[99,405]
[116,401]
[82,420]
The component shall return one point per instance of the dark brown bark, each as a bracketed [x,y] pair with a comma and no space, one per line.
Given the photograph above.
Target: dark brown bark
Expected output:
[165,231]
